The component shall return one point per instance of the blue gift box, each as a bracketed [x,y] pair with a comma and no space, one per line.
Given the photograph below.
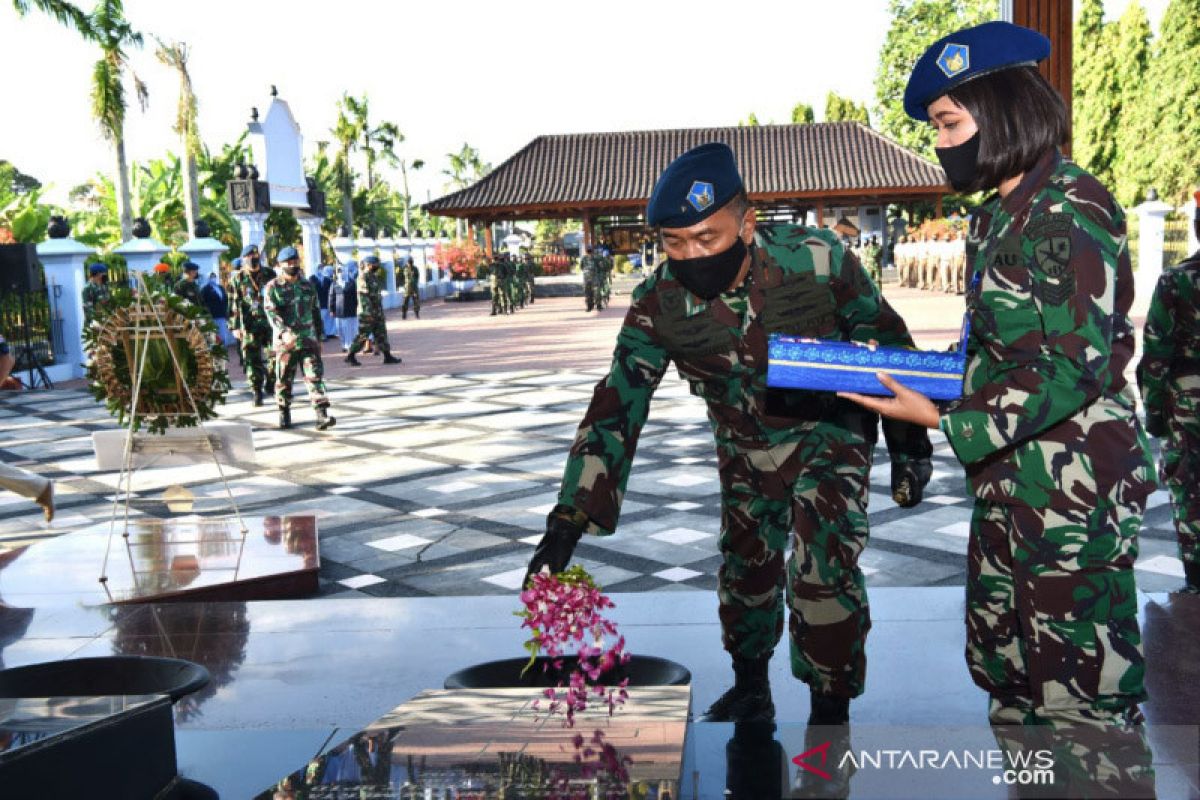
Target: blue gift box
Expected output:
[795,363]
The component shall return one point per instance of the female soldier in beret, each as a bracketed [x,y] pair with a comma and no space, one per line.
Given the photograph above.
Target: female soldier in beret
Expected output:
[1054,454]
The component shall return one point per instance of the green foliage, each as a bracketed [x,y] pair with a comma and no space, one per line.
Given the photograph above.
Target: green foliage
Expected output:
[15,181]
[749,122]
[1159,148]
[1097,99]
[843,109]
[22,213]
[65,13]
[622,264]
[1129,43]
[916,24]
[803,114]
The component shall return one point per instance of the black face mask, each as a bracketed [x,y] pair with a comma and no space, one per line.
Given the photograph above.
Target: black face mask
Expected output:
[254,262]
[708,276]
[291,271]
[961,162]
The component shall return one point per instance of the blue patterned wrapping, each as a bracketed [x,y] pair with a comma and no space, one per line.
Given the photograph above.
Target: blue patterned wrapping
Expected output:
[795,363]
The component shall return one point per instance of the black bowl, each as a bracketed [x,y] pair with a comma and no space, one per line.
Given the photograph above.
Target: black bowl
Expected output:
[111,675]
[641,671]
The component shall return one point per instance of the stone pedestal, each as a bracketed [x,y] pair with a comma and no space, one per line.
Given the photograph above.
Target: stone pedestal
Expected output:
[63,261]
[142,254]
[310,237]
[253,230]
[207,253]
[1188,210]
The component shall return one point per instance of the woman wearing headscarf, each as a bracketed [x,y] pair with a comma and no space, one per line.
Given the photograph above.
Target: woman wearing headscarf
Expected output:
[1046,426]
[344,297]
[215,300]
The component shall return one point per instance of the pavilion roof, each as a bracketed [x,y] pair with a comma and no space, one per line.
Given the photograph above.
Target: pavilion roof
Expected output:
[579,171]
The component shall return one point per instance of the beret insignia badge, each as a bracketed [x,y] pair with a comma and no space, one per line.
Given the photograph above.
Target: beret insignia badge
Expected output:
[700,195]
[954,60]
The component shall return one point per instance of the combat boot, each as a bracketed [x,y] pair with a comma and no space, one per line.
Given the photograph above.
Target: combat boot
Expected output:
[828,709]
[352,361]
[388,358]
[258,396]
[323,419]
[1191,572]
[750,698]
[404,314]
[285,417]
[417,312]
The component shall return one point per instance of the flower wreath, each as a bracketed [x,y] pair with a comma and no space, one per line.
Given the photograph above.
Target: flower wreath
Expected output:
[115,339]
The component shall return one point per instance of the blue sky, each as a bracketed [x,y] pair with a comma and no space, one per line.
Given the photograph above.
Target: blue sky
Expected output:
[492,74]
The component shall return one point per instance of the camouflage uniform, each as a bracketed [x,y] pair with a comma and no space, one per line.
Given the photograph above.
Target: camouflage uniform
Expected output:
[871,262]
[530,285]
[1058,464]
[792,465]
[1169,377]
[371,321]
[495,287]
[292,306]
[248,316]
[190,290]
[589,266]
[412,290]
[95,295]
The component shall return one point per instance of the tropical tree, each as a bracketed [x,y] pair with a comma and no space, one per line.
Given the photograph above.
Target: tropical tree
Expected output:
[416,164]
[346,130]
[175,56]
[114,35]
[67,14]
[802,114]
[843,109]
[751,121]
[916,23]
[465,168]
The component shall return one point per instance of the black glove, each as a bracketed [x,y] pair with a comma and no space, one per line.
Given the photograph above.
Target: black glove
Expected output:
[1155,425]
[555,548]
[909,478]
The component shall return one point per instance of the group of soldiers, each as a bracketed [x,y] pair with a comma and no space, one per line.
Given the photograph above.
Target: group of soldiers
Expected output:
[597,269]
[868,252]
[510,280]
[935,261]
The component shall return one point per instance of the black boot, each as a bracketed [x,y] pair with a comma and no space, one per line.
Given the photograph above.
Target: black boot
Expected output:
[388,358]
[750,698]
[285,417]
[823,771]
[258,396]
[403,315]
[352,361]
[418,313]
[323,419]
[1191,572]
[828,709]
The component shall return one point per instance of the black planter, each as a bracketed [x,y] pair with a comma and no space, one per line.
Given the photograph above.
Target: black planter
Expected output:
[641,671]
[112,675]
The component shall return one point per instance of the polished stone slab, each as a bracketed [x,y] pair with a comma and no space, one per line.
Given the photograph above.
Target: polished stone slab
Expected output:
[183,558]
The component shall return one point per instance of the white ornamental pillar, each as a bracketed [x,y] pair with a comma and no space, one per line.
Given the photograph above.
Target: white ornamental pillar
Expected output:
[1188,210]
[254,231]
[63,261]
[310,240]
[1152,229]
[343,247]
[387,262]
[206,252]
[141,252]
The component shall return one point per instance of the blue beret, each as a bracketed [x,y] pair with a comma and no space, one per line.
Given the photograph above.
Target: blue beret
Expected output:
[287,254]
[967,54]
[237,263]
[694,186]
[371,261]
[97,268]
[248,249]
[191,266]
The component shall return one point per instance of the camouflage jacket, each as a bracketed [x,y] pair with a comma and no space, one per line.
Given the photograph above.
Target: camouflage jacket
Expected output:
[1047,418]
[190,291]
[370,293]
[589,266]
[801,281]
[1169,372]
[292,306]
[412,278]
[246,297]
[94,295]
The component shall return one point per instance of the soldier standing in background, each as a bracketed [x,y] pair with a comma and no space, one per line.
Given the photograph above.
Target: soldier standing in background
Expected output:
[872,260]
[249,322]
[412,289]
[529,276]
[188,285]
[1169,378]
[292,306]
[495,286]
[589,267]
[793,465]
[96,293]
[371,320]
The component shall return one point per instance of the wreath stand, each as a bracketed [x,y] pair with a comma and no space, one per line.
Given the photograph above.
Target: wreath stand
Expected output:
[146,324]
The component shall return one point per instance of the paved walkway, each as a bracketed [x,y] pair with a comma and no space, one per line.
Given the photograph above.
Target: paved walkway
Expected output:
[439,474]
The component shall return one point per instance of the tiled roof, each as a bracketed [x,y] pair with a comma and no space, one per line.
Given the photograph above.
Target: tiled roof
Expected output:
[776,161]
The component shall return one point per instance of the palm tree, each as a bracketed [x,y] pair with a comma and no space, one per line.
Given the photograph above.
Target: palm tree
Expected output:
[114,34]
[67,14]
[347,131]
[404,166]
[175,56]
[466,167]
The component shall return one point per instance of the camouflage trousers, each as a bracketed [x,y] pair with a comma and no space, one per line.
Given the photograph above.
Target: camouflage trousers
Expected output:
[1181,474]
[307,356]
[415,298]
[499,298]
[1053,637]
[813,492]
[370,325]
[258,357]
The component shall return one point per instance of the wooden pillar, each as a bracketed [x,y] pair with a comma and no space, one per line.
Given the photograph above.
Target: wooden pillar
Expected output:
[937,207]
[588,234]
[1053,19]
[487,240]
[820,213]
